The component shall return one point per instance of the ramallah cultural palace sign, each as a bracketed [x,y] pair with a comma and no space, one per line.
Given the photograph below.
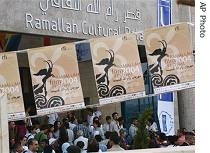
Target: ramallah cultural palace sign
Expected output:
[77,18]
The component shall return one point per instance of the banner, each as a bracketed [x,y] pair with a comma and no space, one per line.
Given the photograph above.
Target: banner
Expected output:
[117,68]
[55,78]
[166,113]
[11,86]
[170,57]
[164,18]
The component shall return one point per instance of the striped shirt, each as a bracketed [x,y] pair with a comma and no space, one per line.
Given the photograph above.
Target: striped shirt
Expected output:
[82,128]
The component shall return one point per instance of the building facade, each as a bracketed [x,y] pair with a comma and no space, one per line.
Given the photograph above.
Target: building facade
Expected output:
[88,19]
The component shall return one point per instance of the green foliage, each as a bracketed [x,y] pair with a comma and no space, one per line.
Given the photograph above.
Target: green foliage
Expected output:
[142,140]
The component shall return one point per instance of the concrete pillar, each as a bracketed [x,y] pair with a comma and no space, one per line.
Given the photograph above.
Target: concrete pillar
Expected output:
[176,113]
[186,104]
[4,133]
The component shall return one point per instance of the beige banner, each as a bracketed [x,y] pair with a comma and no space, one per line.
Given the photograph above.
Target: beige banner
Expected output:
[170,57]
[11,86]
[55,78]
[117,68]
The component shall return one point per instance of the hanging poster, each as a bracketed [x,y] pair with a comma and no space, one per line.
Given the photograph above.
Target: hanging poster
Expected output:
[11,86]
[170,57]
[117,68]
[55,78]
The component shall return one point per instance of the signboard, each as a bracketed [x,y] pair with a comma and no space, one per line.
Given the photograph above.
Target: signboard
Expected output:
[11,86]
[77,18]
[170,60]
[166,113]
[55,78]
[117,68]
[164,12]
[165,109]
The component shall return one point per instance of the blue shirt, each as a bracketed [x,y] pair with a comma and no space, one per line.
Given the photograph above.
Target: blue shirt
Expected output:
[102,147]
[82,128]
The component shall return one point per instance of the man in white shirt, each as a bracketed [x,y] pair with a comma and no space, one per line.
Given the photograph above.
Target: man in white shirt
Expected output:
[32,146]
[115,123]
[151,125]
[18,148]
[81,138]
[52,118]
[107,126]
[133,128]
[90,116]
[53,143]
[114,142]
[97,112]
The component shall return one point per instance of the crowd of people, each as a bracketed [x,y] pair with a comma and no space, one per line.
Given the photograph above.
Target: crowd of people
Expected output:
[69,134]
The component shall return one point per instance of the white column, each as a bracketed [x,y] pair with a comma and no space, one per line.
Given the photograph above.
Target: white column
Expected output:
[4,132]
[186,104]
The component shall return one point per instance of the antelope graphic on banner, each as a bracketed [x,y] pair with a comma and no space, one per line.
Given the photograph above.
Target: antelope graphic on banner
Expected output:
[55,78]
[170,60]
[118,73]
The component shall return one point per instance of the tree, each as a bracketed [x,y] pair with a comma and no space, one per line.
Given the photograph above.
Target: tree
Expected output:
[142,139]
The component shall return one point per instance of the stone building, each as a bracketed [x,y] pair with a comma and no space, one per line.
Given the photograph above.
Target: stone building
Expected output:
[79,21]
